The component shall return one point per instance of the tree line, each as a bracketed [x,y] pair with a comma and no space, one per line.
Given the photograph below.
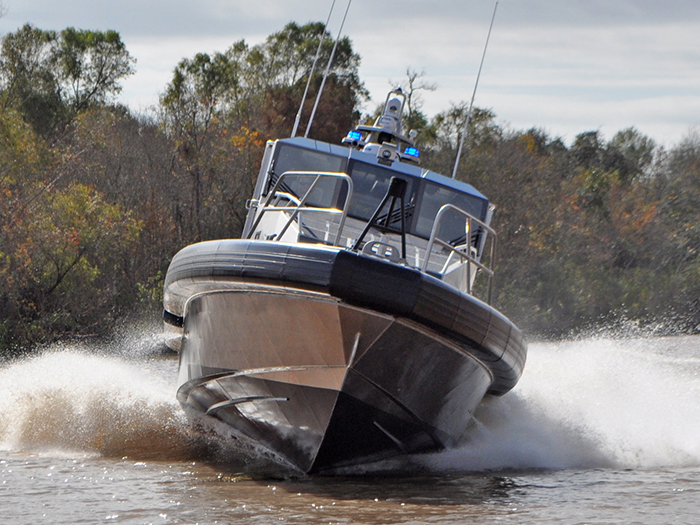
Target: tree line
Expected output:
[95,199]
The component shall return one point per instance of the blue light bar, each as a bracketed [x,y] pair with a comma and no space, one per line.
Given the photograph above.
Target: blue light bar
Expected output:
[355,135]
[412,152]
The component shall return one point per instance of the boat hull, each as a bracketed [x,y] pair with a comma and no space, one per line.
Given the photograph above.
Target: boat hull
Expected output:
[324,384]
[301,350]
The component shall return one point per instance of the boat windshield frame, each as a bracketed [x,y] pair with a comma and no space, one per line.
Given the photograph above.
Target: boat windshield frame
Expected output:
[427,192]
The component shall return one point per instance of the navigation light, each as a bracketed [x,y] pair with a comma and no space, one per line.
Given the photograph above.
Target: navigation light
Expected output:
[355,135]
[412,152]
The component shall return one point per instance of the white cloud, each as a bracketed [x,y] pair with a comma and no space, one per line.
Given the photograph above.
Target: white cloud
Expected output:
[566,66]
[157,58]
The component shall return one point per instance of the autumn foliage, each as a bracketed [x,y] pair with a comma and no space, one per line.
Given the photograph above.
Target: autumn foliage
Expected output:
[95,200]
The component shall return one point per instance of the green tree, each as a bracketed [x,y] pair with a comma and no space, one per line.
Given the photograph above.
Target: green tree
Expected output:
[22,157]
[28,78]
[90,66]
[130,162]
[631,153]
[64,250]
[446,128]
[191,108]
[220,108]
[50,76]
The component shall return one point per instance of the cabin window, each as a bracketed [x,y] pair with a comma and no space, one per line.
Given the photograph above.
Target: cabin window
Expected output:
[371,183]
[453,226]
[326,193]
[370,186]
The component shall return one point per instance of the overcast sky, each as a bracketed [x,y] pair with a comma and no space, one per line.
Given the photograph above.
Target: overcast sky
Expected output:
[565,66]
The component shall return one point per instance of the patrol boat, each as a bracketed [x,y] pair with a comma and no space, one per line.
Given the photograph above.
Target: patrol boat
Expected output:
[344,326]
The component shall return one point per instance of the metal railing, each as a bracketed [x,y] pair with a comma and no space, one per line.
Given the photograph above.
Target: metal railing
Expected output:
[460,251]
[482,258]
[301,203]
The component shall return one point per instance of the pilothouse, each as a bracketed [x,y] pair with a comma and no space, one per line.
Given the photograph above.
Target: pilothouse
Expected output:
[342,198]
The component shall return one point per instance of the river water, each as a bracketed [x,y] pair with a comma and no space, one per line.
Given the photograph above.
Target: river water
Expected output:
[599,430]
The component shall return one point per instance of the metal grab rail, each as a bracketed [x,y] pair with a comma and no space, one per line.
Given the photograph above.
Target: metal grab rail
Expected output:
[468,255]
[318,175]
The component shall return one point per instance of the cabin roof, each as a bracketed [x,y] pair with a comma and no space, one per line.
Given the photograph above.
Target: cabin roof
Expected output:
[401,167]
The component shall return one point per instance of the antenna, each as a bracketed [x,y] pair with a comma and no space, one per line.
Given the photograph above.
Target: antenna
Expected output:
[471,104]
[325,74]
[311,74]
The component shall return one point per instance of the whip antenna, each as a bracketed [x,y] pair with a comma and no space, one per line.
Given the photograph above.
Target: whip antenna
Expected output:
[311,74]
[471,104]
[328,68]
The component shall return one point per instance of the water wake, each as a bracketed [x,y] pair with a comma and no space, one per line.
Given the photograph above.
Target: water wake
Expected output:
[73,401]
[630,403]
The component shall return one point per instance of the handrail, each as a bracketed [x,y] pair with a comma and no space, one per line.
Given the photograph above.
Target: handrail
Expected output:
[469,256]
[318,175]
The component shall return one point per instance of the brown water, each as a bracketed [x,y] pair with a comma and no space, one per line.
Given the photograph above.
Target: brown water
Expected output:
[598,431]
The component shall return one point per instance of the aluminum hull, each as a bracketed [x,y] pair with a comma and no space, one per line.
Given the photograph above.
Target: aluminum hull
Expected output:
[289,347]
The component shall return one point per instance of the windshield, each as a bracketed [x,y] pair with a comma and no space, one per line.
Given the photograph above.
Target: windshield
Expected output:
[371,184]
[435,196]
[423,200]
[326,194]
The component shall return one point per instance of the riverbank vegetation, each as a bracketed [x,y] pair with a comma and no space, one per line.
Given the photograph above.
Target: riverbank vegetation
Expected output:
[95,199]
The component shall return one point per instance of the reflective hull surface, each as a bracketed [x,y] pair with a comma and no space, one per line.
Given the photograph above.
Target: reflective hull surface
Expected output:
[328,358]
[321,383]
